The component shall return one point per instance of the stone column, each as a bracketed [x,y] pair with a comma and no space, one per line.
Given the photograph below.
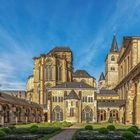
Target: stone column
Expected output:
[137,115]
[80,111]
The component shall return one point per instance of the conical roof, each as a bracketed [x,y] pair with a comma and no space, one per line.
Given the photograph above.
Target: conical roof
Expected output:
[114,46]
[102,77]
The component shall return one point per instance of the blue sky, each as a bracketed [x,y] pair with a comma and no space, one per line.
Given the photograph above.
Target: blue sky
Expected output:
[31,27]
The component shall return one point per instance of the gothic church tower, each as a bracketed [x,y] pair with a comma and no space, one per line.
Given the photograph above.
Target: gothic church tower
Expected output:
[111,64]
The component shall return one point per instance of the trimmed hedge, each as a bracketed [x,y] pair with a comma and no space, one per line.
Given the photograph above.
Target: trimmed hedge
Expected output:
[128,135]
[6,130]
[34,126]
[34,130]
[89,127]
[20,131]
[2,134]
[135,127]
[111,127]
[103,130]
[133,130]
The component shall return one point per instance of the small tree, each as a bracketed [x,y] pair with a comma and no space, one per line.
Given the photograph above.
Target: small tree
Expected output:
[110,120]
[88,119]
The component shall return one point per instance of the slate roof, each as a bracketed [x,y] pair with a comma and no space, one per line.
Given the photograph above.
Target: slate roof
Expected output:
[82,74]
[73,85]
[114,46]
[107,92]
[102,77]
[15,93]
[72,95]
[60,49]
[110,103]
[5,98]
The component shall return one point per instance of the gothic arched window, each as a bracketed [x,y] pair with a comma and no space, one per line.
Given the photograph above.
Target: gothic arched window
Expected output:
[87,114]
[48,70]
[58,71]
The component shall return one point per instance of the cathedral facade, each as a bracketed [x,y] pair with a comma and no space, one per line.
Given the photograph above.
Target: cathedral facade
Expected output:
[72,95]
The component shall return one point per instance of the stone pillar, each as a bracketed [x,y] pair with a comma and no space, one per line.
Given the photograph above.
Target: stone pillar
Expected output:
[2,120]
[80,111]
[129,110]
[49,107]
[137,115]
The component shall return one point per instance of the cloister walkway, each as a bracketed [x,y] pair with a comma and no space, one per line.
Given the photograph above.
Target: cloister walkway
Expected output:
[67,133]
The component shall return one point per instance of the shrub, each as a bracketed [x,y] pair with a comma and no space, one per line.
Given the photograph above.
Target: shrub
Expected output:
[111,127]
[110,120]
[103,130]
[34,126]
[2,134]
[133,130]
[11,127]
[88,127]
[128,135]
[6,130]
[66,124]
[135,127]
[34,129]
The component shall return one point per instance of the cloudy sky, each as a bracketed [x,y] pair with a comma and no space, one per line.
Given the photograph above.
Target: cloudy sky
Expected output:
[31,27]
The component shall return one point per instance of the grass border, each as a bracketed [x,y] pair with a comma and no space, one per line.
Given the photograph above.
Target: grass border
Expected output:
[46,137]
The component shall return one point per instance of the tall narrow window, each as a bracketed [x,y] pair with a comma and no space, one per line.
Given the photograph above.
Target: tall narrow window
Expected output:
[71,112]
[48,70]
[58,71]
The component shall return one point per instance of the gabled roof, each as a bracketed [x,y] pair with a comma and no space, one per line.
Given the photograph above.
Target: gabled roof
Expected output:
[102,77]
[82,74]
[73,85]
[72,95]
[110,103]
[114,46]
[60,49]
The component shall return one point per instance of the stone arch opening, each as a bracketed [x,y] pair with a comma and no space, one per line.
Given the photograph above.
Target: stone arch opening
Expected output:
[114,114]
[87,114]
[102,115]
[57,114]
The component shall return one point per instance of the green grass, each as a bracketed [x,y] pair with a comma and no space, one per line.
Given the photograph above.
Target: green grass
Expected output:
[99,125]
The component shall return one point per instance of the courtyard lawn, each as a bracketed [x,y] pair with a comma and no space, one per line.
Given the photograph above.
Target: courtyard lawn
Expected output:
[99,125]
[46,124]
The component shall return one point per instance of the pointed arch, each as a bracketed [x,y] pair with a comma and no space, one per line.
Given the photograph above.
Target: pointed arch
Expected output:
[87,114]
[57,114]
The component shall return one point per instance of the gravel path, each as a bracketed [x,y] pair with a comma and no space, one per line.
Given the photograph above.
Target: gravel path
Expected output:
[67,133]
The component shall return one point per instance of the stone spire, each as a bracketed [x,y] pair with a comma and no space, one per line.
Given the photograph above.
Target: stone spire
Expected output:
[102,77]
[114,46]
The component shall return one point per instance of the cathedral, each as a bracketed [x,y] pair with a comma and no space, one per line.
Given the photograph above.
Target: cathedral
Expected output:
[72,95]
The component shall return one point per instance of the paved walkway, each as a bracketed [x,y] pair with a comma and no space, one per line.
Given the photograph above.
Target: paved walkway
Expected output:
[67,133]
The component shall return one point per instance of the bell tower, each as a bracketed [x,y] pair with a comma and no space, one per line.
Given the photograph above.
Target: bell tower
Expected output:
[111,64]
